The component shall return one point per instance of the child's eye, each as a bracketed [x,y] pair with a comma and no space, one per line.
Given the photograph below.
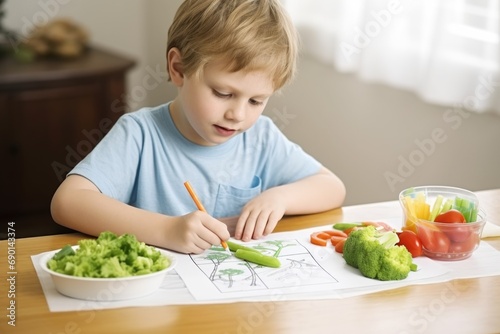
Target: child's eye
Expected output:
[219,94]
[255,102]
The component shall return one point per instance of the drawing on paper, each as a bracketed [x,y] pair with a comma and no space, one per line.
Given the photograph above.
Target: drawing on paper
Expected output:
[230,274]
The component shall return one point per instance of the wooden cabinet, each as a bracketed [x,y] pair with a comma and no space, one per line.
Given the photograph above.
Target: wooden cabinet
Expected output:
[52,113]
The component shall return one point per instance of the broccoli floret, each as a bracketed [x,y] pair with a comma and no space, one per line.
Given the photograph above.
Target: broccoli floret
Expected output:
[113,268]
[395,264]
[375,254]
[109,256]
[160,263]
[142,263]
[367,240]
[86,246]
[106,236]
[144,250]
[128,243]
[85,266]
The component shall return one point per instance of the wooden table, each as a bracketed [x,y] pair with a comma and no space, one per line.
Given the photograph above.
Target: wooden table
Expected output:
[462,306]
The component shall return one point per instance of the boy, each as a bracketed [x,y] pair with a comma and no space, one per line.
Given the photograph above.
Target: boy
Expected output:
[226,59]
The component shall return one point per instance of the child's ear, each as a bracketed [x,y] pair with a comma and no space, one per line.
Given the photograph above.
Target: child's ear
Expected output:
[175,68]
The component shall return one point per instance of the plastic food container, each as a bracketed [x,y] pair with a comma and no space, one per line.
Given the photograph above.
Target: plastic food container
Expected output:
[448,241]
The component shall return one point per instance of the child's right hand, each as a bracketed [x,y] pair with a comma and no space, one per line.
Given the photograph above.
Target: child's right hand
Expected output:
[195,232]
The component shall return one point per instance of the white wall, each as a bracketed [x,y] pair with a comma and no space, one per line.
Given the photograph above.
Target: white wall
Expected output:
[360,131]
[160,14]
[365,131]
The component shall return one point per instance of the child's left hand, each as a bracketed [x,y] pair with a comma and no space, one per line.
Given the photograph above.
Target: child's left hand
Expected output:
[260,216]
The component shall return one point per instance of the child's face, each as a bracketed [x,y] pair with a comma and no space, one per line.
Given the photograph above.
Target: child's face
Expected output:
[218,105]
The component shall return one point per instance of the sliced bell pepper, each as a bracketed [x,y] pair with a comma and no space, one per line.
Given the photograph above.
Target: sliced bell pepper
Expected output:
[319,238]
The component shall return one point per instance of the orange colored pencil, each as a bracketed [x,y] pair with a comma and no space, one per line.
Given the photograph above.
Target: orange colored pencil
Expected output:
[202,208]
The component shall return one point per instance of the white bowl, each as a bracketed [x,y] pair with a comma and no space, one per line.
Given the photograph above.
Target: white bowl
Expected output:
[107,289]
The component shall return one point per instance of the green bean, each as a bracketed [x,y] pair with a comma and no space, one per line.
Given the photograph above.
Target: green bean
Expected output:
[66,250]
[234,247]
[345,226]
[257,257]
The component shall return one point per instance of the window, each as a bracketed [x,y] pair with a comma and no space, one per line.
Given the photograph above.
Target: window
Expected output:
[446,51]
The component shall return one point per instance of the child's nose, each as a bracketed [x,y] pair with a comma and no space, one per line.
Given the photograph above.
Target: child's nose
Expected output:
[236,112]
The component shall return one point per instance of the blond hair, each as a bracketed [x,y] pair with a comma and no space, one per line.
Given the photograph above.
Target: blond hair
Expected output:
[248,34]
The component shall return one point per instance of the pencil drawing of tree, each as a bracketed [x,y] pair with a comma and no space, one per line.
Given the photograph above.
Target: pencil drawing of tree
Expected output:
[278,246]
[217,258]
[252,273]
[230,273]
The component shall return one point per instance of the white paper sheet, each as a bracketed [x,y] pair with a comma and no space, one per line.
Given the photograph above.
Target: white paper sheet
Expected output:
[304,268]
[330,278]
[490,230]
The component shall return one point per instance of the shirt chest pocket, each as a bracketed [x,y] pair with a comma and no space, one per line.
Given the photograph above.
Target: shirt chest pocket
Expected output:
[230,200]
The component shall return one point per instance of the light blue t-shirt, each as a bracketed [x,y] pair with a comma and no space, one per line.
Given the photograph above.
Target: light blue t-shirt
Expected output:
[144,161]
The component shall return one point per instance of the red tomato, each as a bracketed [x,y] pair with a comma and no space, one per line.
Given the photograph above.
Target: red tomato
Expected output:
[464,246]
[433,239]
[457,232]
[450,216]
[411,241]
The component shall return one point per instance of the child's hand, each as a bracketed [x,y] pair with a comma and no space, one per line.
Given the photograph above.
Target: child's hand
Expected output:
[195,232]
[260,216]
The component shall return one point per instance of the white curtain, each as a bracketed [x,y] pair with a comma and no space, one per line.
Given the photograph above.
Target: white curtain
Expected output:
[446,51]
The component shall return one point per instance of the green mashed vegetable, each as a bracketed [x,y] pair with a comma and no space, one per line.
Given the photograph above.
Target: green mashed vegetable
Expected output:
[108,256]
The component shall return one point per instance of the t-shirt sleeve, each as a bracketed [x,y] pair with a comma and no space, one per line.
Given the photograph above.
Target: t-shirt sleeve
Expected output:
[286,161]
[112,164]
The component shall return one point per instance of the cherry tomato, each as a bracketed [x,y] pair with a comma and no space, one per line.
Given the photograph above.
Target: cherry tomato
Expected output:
[450,216]
[464,246]
[411,241]
[433,239]
[457,232]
